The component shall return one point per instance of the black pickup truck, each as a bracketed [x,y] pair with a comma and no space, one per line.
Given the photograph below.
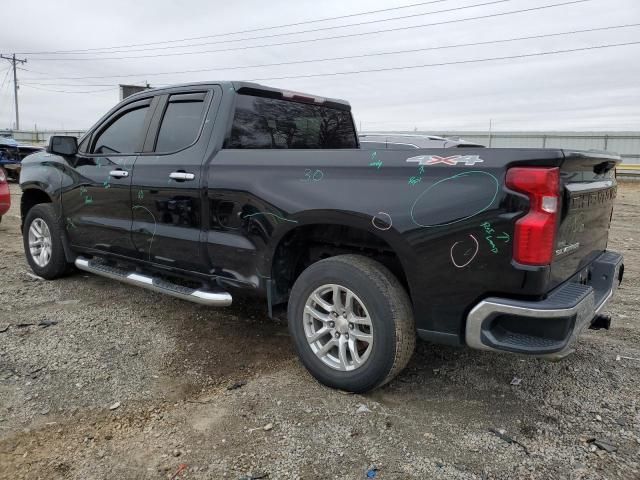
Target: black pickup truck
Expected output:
[210,190]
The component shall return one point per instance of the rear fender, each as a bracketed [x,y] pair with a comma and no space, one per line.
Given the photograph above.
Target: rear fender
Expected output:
[378,227]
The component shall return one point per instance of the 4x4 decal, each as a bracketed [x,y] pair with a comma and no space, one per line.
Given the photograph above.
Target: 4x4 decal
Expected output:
[468,160]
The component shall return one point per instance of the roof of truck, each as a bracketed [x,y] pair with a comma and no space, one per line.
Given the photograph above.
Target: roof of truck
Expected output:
[247,87]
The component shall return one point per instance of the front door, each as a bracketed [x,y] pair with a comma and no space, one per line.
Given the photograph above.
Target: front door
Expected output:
[166,187]
[97,207]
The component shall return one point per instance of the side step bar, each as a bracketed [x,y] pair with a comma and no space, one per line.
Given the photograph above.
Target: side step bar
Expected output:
[216,299]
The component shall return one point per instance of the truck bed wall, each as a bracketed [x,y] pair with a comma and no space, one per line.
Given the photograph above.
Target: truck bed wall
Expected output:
[450,225]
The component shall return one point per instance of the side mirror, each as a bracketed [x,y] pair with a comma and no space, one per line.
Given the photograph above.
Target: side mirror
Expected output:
[63,145]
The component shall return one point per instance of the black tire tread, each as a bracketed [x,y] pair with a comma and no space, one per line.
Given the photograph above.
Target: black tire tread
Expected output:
[58,266]
[398,306]
[405,331]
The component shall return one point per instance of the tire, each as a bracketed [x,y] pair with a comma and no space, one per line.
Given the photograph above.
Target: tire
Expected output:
[376,294]
[56,265]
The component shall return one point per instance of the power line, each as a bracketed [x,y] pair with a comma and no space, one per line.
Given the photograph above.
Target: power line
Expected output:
[459,62]
[306,22]
[350,35]
[6,86]
[313,30]
[365,55]
[6,75]
[427,65]
[69,84]
[4,81]
[66,91]
[12,109]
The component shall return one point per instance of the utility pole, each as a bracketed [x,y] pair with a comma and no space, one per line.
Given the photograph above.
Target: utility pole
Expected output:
[14,61]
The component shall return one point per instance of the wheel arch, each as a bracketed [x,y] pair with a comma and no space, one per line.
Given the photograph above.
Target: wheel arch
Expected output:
[36,196]
[30,198]
[303,244]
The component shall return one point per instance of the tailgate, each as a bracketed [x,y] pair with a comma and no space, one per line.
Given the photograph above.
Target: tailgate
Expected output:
[589,189]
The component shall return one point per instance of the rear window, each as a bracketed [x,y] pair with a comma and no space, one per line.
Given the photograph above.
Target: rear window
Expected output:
[273,123]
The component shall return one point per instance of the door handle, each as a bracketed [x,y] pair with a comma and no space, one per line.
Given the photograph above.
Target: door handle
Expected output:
[119,173]
[182,176]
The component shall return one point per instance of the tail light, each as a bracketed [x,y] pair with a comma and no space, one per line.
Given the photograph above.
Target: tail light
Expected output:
[535,233]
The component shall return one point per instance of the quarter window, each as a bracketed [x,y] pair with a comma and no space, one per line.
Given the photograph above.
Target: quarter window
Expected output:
[82,148]
[124,135]
[180,125]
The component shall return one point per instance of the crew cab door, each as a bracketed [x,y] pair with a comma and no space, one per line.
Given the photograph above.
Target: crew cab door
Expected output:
[166,187]
[97,207]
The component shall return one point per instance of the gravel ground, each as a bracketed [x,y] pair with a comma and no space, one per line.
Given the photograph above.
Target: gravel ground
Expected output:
[132,384]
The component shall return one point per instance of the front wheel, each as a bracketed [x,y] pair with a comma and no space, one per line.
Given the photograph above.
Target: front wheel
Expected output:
[42,235]
[352,323]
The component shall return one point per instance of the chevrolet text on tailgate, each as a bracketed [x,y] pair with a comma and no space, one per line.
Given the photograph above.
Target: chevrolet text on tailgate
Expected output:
[206,191]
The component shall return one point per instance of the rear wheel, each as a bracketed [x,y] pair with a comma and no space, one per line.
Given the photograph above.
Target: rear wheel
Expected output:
[352,323]
[42,235]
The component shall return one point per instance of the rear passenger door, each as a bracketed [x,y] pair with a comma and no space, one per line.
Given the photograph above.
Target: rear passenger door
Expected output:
[166,185]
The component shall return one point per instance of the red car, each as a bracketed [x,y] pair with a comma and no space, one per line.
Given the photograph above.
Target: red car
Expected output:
[5,197]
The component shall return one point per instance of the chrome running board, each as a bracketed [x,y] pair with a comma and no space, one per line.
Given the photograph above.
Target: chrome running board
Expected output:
[218,298]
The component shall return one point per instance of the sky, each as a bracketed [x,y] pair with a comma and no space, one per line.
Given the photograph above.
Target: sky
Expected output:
[580,90]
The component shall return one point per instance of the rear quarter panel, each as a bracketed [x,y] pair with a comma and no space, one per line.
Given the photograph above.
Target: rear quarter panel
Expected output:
[450,224]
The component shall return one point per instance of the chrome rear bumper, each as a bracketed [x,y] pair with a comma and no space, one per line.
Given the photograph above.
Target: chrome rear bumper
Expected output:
[549,327]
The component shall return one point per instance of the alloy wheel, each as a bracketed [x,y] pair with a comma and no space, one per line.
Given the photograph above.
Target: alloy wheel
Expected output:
[338,327]
[40,242]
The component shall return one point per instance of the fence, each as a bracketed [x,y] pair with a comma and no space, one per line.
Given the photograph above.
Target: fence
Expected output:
[37,137]
[627,144]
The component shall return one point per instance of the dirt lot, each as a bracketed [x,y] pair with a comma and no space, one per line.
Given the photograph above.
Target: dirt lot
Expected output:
[132,384]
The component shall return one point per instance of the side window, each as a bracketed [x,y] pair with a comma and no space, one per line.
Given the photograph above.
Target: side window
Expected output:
[181,122]
[273,123]
[124,135]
